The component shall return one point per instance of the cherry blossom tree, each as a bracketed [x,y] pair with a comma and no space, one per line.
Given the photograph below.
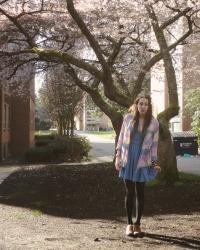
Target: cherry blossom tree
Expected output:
[107,44]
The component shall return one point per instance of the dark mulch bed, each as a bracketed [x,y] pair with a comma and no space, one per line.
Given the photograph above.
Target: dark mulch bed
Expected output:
[91,191]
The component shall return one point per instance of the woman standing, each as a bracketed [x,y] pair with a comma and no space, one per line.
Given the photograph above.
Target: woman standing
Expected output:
[136,157]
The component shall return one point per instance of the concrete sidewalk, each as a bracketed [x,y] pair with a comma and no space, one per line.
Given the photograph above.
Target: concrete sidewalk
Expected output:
[189,164]
[5,171]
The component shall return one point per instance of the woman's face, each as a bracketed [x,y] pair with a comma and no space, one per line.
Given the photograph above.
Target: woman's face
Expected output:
[142,106]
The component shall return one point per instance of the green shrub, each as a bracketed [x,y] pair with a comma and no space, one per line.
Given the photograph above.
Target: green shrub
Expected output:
[77,148]
[44,139]
[41,143]
[45,136]
[59,149]
[40,154]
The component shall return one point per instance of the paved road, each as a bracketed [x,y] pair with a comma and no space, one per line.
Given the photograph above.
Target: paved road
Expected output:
[5,171]
[189,164]
[102,149]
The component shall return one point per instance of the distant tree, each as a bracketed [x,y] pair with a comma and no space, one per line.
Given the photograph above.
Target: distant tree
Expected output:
[61,98]
[42,119]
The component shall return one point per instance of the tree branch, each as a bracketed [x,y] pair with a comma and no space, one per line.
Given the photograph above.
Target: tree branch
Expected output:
[30,41]
[175,18]
[93,43]
[50,54]
[109,88]
[116,51]
[20,65]
[173,108]
[98,100]
[158,57]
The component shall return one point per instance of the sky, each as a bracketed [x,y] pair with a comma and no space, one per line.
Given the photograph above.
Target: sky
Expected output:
[38,82]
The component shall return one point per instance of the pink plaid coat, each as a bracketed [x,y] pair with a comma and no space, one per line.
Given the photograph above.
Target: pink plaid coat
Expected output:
[149,146]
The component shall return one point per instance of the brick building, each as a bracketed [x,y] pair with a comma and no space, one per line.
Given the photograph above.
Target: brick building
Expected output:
[17,122]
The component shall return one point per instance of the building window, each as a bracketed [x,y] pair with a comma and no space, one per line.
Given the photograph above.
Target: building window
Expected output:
[175,127]
[6,116]
[5,151]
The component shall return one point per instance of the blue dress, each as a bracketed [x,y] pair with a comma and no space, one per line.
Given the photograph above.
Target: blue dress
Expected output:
[130,171]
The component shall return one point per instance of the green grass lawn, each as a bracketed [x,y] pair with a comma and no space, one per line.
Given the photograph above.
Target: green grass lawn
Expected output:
[44,132]
[187,178]
[103,134]
[184,178]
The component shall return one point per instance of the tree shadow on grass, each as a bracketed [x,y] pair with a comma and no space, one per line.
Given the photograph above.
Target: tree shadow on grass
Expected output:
[90,191]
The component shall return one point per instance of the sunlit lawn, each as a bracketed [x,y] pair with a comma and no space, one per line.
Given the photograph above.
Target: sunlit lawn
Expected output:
[101,134]
[45,132]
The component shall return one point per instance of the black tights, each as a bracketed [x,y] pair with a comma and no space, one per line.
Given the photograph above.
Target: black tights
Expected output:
[134,189]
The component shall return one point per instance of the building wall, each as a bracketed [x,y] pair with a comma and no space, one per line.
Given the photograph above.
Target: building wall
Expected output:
[104,122]
[22,121]
[191,75]
[17,121]
[4,124]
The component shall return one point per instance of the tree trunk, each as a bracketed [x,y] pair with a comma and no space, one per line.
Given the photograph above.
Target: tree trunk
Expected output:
[166,156]
[68,128]
[64,126]
[72,125]
[60,131]
[60,127]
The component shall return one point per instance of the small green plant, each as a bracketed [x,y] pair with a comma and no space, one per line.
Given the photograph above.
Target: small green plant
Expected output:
[19,216]
[36,212]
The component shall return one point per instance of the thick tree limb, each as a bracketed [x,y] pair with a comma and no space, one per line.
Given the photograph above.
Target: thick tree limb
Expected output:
[156,58]
[175,18]
[93,43]
[50,54]
[109,88]
[116,50]
[98,100]
[173,108]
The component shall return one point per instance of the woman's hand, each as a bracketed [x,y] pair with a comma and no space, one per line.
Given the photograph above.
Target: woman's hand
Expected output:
[118,165]
[158,168]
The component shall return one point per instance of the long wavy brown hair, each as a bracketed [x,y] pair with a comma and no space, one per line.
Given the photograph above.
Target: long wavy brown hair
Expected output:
[134,110]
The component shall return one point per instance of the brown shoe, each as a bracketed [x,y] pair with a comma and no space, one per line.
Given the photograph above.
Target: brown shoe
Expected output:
[137,230]
[129,230]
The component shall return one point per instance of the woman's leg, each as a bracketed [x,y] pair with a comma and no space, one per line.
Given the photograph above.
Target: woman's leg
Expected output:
[130,190]
[139,191]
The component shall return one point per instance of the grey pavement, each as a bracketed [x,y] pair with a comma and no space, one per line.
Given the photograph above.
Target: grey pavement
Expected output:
[189,164]
[102,149]
[6,170]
